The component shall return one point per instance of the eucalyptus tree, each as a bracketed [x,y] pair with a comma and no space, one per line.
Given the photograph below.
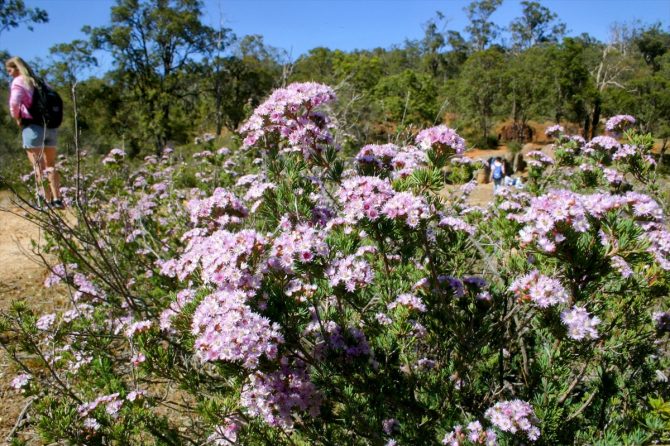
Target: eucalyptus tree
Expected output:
[482,30]
[481,89]
[14,13]
[537,24]
[154,43]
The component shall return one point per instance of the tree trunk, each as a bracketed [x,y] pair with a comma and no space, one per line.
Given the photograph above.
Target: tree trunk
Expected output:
[587,123]
[595,120]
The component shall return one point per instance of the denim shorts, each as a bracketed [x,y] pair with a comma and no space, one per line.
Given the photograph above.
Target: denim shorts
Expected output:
[36,136]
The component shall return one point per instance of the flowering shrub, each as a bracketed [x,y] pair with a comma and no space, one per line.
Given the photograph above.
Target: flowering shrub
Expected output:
[286,300]
[617,124]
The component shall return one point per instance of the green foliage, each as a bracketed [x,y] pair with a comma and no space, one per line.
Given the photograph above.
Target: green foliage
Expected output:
[13,13]
[481,89]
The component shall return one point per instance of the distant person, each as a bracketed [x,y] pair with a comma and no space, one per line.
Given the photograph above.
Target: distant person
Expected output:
[497,172]
[38,140]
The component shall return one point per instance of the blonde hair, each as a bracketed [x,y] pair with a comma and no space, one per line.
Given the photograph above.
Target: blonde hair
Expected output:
[25,70]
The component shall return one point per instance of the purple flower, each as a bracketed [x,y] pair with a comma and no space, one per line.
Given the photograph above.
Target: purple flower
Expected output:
[579,323]
[91,424]
[378,156]
[288,116]
[390,425]
[364,197]
[228,330]
[383,319]
[226,434]
[625,151]
[409,301]
[20,381]
[223,207]
[619,123]
[457,224]
[441,139]
[114,156]
[351,272]
[514,416]
[407,161]
[138,327]
[554,130]
[662,321]
[622,266]
[330,337]
[302,244]
[603,143]
[223,257]
[475,435]
[538,159]
[274,396]
[407,207]
[45,322]
[542,290]
[613,176]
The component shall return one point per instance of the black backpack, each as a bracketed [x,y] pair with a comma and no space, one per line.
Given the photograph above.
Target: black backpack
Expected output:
[46,108]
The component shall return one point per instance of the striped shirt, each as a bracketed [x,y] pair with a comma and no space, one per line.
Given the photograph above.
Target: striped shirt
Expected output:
[20,98]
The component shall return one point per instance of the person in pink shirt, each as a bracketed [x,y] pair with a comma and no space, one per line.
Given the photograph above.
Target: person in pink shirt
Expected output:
[39,141]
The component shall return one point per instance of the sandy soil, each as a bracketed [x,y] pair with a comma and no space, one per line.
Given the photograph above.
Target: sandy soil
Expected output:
[21,278]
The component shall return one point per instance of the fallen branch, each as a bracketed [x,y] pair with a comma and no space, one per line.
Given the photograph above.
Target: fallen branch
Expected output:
[20,419]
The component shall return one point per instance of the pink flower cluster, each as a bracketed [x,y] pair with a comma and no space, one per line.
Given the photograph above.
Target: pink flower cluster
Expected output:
[330,337]
[223,258]
[407,207]
[59,273]
[257,185]
[379,156]
[112,404]
[475,435]
[222,207]
[580,323]
[407,161]
[114,156]
[624,152]
[226,434]
[539,289]
[602,143]
[273,396]
[302,244]
[363,197]
[619,123]
[45,322]
[549,215]
[514,416]
[20,381]
[622,266]
[409,301]
[456,224]
[441,139]
[288,115]
[539,159]
[351,272]
[228,330]
[554,131]
[613,176]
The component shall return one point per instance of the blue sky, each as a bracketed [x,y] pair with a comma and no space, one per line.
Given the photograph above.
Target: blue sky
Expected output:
[298,25]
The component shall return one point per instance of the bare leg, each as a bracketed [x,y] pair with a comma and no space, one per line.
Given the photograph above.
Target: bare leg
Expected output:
[37,159]
[52,173]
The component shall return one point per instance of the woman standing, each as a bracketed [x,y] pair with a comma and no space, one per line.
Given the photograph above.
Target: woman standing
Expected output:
[38,140]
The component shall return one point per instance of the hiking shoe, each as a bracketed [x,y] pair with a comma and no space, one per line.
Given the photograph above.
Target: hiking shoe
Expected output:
[57,204]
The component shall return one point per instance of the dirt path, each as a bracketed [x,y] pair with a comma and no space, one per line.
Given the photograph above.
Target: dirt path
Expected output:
[21,277]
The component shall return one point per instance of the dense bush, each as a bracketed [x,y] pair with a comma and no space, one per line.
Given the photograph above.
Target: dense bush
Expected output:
[295,297]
